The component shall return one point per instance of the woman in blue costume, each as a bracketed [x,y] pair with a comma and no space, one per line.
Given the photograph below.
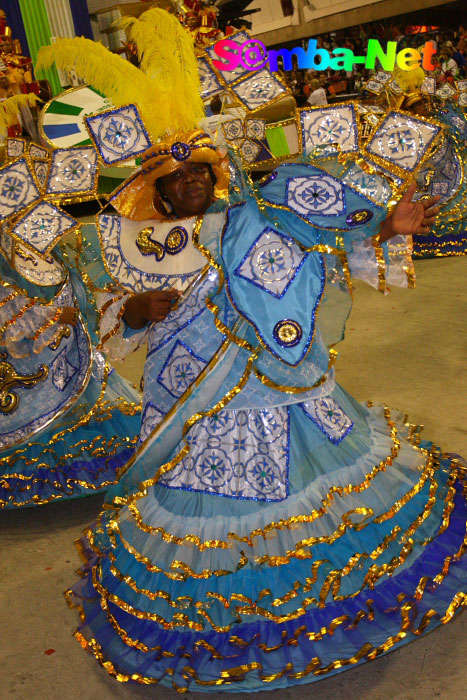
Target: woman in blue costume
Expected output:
[269,530]
[67,420]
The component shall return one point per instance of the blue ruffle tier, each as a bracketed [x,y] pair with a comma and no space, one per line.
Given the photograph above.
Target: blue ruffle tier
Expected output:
[433,246]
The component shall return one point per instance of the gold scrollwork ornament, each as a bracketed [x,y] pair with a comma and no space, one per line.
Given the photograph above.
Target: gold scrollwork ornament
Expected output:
[64,332]
[147,246]
[9,378]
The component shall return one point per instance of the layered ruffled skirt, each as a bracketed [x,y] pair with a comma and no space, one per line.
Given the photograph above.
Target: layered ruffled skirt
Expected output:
[286,545]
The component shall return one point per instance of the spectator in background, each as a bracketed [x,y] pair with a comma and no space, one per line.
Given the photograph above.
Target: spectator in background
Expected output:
[318,94]
[296,81]
[460,56]
[348,43]
[448,64]
[298,85]
[423,40]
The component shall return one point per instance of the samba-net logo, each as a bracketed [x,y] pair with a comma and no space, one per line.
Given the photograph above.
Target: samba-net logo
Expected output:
[253,55]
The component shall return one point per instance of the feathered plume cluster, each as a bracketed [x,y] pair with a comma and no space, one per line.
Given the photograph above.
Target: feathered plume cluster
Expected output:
[10,108]
[409,80]
[165,87]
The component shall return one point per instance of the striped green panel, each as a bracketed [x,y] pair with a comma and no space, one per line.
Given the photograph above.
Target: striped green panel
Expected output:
[277,141]
[98,92]
[57,107]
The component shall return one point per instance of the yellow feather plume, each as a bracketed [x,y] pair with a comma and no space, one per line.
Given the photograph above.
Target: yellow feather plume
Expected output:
[167,56]
[409,80]
[165,90]
[10,108]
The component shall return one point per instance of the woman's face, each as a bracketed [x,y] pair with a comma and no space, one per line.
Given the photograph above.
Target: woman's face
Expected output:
[189,189]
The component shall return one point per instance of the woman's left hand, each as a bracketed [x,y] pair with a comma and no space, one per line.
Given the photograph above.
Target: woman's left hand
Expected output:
[410,218]
[69,315]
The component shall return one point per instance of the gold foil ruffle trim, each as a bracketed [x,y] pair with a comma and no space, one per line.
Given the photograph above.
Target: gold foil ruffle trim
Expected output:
[267,530]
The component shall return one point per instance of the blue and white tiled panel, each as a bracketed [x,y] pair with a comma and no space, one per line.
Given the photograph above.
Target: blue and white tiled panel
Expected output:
[171,370]
[329,417]
[445,91]
[373,186]
[163,386]
[36,151]
[184,314]
[119,134]
[402,140]
[272,265]
[241,454]
[327,201]
[272,262]
[258,89]
[210,86]
[18,189]
[179,348]
[73,171]
[43,226]
[15,148]
[442,171]
[245,454]
[428,87]
[327,126]
[41,171]
[248,138]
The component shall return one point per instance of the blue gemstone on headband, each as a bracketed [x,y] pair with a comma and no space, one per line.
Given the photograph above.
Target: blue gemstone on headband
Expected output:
[180,150]
[359,217]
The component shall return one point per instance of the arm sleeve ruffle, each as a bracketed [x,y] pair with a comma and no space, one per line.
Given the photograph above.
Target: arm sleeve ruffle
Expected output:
[382,265]
[27,326]
[114,341]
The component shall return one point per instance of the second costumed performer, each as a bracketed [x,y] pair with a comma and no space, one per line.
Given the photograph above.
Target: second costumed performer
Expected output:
[269,530]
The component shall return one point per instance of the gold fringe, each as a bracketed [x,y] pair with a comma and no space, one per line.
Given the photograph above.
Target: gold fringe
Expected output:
[167,57]
[314,667]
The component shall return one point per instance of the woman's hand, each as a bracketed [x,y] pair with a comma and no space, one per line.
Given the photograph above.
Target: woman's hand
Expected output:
[69,316]
[149,306]
[410,218]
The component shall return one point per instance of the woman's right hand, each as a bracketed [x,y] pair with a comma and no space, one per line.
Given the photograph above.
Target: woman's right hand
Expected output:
[149,306]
